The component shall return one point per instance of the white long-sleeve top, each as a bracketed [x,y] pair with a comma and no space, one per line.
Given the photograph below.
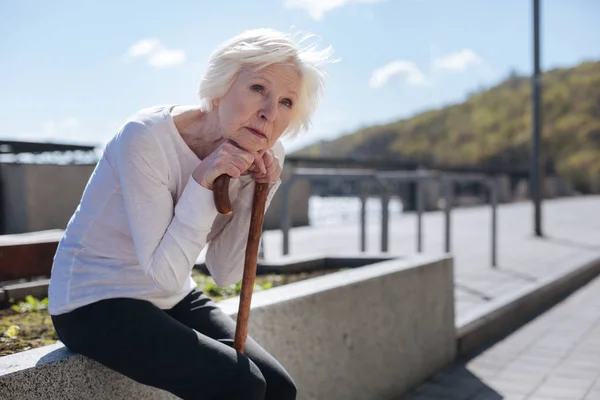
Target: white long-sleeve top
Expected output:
[143,221]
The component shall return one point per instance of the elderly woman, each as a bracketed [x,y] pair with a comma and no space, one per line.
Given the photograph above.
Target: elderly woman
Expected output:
[121,290]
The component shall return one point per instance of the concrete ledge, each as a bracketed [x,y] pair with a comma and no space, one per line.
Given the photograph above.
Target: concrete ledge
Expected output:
[366,333]
[18,291]
[296,263]
[490,323]
[54,372]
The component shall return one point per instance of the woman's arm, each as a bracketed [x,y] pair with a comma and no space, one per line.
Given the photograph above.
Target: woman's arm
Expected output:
[167,238]
[228,237]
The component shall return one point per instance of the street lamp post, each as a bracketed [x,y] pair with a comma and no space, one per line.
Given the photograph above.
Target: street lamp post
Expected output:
[536,123]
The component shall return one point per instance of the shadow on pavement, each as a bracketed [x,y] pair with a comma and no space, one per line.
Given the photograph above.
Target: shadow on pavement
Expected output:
[455,382]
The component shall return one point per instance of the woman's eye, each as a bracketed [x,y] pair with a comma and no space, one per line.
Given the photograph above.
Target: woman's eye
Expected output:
[287,102]
[258,88]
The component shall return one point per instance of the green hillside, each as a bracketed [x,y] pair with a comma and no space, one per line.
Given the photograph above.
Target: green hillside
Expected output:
[493,127]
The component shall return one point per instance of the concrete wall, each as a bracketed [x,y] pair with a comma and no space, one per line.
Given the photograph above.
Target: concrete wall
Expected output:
[51,206]
[13,184]
[432,193]
[504,191]
[41,196]
[367,333]
[521,191]
[298,204]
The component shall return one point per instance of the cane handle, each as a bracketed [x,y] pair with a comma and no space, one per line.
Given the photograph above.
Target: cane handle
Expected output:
[221,194]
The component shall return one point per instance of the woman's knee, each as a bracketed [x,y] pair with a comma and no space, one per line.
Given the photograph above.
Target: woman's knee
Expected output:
[249,382]
[252,384]
[281,386]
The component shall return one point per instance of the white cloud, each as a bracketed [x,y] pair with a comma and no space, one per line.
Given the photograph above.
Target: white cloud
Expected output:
[166,58]
[143,47]
[457,61]
[406,70]
[454,62]
[318,8]
[157,55]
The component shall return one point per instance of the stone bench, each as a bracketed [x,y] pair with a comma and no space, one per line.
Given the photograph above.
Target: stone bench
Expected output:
[372,332]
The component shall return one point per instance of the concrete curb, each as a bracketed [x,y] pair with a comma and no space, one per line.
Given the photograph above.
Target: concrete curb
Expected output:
[489,324]
[18,291]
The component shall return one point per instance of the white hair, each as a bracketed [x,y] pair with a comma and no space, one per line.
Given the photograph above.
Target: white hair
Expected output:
[258,49]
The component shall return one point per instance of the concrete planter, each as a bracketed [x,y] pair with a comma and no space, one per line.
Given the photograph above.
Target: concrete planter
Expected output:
[366,333]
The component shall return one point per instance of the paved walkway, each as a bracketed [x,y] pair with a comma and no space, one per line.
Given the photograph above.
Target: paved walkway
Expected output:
[556,356]
[571,226]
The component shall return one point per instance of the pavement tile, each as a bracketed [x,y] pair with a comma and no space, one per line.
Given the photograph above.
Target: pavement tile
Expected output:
[556,366]
[565,392]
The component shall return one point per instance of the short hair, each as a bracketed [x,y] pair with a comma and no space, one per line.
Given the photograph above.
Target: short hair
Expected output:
[259,48]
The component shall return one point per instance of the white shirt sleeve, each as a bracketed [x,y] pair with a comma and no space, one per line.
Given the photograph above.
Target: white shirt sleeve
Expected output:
[228,238]
[167,238]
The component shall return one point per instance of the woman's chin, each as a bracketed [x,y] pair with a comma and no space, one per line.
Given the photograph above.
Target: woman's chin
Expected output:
[249,143]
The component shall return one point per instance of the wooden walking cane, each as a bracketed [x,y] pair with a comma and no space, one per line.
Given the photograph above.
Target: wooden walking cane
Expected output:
[223,204]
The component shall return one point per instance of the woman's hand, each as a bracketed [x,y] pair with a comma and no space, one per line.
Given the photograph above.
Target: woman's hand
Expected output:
[228,159]
[273,168]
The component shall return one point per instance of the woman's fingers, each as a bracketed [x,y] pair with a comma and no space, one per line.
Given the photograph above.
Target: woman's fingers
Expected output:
[267,161]
[268,158]
[259,163]
[234,161]
[273,170]
[252,159]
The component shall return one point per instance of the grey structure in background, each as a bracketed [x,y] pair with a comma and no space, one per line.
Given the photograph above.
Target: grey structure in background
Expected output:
[38,196]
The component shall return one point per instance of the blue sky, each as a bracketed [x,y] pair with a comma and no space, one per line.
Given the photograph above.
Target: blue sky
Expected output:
[68,74]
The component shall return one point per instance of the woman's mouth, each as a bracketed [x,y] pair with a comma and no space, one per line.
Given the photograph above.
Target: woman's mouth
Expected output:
[257,133]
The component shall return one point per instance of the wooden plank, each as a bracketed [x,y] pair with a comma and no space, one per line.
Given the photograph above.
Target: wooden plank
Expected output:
[26,260]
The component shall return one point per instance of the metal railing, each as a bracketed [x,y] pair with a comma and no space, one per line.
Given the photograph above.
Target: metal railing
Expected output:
[382,179]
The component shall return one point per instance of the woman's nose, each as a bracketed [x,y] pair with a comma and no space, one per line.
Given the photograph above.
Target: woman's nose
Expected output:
[268,112]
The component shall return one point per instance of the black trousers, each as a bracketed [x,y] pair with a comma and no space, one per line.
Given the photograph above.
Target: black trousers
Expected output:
[187,350]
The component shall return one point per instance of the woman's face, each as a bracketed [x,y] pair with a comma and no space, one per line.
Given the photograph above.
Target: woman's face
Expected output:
[259,106]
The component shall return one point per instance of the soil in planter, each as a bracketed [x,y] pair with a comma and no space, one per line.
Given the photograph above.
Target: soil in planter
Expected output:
[262,282]
[28,325]
[25,326]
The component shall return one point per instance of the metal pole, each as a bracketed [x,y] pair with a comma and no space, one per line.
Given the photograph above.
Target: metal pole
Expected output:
[384,220]
[447,207]
[494,201]
[419,216]
[363,218]
[536,123]
[285,216]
